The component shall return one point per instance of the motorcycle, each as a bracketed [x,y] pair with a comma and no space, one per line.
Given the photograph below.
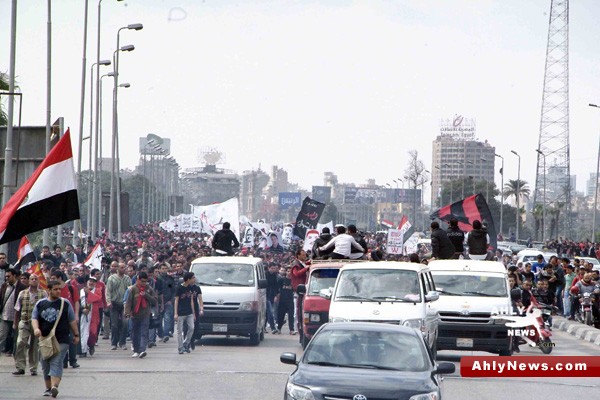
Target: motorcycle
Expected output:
[585,302]
[535,329]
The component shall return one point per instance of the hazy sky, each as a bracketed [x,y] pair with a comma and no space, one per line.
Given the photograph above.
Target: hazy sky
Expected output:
[314,86]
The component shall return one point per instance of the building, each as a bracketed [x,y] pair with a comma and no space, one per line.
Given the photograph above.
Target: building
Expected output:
[252,200]
[458,154]
[590,185]
[209,184]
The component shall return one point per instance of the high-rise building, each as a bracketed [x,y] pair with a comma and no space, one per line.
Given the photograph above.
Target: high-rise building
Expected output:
[457,154]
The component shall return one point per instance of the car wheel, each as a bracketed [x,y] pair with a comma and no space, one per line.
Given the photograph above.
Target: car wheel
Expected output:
[254,339]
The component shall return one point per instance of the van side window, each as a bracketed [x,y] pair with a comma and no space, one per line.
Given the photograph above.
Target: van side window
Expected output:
[260,271]
[431,280]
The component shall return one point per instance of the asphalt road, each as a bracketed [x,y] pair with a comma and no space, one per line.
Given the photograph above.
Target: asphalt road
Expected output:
[231,369]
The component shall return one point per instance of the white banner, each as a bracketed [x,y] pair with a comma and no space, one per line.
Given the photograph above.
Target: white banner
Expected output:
[410,246]
[394,241]
[213,216]
[329,225]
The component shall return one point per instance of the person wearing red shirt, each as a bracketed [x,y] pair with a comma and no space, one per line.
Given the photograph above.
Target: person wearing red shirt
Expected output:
[298,275]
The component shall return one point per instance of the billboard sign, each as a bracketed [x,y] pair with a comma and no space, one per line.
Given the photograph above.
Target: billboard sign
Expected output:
[289,199]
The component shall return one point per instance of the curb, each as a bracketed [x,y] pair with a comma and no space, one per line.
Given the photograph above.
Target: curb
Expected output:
[577,329]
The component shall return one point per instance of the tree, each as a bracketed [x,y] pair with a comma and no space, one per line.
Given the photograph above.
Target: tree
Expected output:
[417,175]
[516,187]
[538,215]
[136,186]
[3,87]
[329,213]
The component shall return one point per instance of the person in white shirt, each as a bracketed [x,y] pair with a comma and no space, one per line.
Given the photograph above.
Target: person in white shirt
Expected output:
[343,244]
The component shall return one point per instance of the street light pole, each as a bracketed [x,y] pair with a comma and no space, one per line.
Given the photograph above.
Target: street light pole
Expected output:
[462,177]
[77,223]
[501,195]
[596,191]
[518,195]
[544,197]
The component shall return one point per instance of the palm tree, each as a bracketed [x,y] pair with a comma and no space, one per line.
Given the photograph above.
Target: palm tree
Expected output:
[511,188]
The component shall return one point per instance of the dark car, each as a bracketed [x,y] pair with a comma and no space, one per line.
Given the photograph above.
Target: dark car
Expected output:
[362,361]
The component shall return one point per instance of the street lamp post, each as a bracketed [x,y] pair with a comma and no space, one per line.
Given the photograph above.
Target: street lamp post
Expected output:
[518,194]
[93,156]
[501,189]
[544,198]
[115,146]
[596,191]
[459,162]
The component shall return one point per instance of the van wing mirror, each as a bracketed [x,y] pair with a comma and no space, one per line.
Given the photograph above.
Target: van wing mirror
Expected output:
[325,293]
[432,296]
[301,289]
[262,284]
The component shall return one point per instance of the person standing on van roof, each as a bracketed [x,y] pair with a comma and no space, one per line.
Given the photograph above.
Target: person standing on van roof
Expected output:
[478,240]
[356,254]
[441,247]
[224,241]
[342,244]
[322,240]
[457,237]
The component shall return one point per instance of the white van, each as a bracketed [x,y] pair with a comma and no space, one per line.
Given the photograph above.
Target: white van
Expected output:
[393,292]
[471,291]
[234,295]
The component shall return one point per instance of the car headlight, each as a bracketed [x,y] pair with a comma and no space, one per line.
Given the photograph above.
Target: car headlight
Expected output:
[249,306]
[339,319]
[296,392]
[414,323]
[426,396]
[311,317]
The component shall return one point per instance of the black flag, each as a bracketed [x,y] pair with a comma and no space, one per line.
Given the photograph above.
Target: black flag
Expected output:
[308,217]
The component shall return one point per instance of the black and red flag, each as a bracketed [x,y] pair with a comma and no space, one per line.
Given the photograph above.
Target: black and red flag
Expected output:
[308,217]
[466,211]
[47,198]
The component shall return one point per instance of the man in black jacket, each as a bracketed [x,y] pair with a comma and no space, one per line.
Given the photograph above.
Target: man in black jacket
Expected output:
[441,247]
[478,241]
[356,254]
[457,237]
[322,240]
[224,241]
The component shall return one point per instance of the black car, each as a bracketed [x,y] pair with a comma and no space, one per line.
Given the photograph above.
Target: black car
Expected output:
[363,361]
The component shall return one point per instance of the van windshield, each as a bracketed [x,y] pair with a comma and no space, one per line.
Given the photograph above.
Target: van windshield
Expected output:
[224,274]
[322,279]
[378,285]
[470,285]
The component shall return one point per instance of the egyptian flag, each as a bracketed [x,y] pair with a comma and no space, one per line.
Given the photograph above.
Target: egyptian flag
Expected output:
[37,270]
[466,211]
[48,198]
[406,228]
[25,254]
[387,223]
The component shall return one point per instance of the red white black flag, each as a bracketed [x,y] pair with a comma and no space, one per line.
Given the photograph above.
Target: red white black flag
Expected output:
[47,198]
[25,254]
[468,210]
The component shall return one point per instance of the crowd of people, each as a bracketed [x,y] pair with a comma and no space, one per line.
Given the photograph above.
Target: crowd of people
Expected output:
[143,288]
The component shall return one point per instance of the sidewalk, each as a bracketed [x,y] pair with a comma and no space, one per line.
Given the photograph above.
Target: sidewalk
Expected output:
[577,329]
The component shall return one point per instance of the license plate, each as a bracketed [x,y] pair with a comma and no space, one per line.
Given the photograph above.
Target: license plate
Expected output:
[219,327]
[464,342]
